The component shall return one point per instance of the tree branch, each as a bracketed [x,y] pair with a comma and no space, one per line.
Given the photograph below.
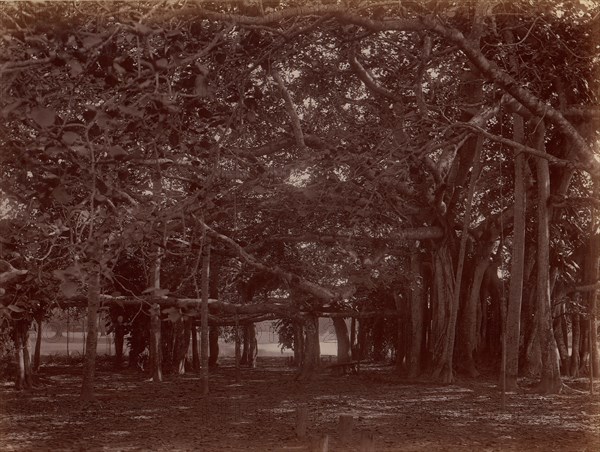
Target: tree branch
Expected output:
[515,89]
[291,279]
[523,148]
[291,109]
[408,234]
[12,66]
[341,12]
[221,312]
[366,77]
[10,273]
[425,56]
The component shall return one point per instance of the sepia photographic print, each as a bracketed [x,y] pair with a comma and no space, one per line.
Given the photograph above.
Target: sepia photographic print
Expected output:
[299,225]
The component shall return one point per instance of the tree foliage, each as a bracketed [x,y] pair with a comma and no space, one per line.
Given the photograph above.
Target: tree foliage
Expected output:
[317,143]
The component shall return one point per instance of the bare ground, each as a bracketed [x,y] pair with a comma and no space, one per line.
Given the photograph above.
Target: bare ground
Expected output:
[134,414]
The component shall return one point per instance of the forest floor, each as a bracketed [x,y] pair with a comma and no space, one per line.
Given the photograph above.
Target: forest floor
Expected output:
[134,414]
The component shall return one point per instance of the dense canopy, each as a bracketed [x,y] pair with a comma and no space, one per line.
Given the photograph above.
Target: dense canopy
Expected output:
[431,165]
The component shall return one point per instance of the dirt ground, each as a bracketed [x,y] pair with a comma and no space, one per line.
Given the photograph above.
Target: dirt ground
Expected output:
[134,414]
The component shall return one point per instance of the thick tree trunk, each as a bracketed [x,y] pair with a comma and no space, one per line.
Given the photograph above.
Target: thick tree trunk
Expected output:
[469,319]
[530,361]
[517,270]
[591,277]
[204,313]
[550,378]
[27,357]
[561,344]
[213,335]
[416,315]
[343,339]
[252,350]
[353,341]
[171,337]
[83,328]
[195,350]
[469,340]
[428,299]
[586,356]
[298,344]
[89,361]
[439,314]
[444,348]
[585,347]
[491,291]
[213,341]
[168,334]
[23,380]
[559,324]
[160,353]
[182,345]
[533,353]
[245,347]
[155,344]
[513,316]
[364,338]
[312,352]
[594,365]
[18,340]
[402,342]
[575,345]
[236,332]
[565,336]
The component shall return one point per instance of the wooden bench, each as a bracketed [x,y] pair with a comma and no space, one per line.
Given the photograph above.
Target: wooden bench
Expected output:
[348,367]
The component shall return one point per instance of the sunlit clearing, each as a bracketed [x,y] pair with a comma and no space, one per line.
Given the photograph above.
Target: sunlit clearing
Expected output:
[299,178]
[342,172]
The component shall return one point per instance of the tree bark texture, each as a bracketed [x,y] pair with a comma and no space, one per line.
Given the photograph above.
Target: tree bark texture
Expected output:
[312,353]
[38,345]
[403,338]
[236,331]
[27,357]
[353,341]
[251,345]
[213,346]
[492,299]
[343,339]
[529,357]
[182,344]
[517,269]
[446,321]
[298,344]
[416,315]
[21,341]
[550,377]
[591,274]
[214,330]
[204,314]
[119,341]
[89,360]
[155,343]
[195,350]
[365,338]
[469,340]
[576,345]
[563,351]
